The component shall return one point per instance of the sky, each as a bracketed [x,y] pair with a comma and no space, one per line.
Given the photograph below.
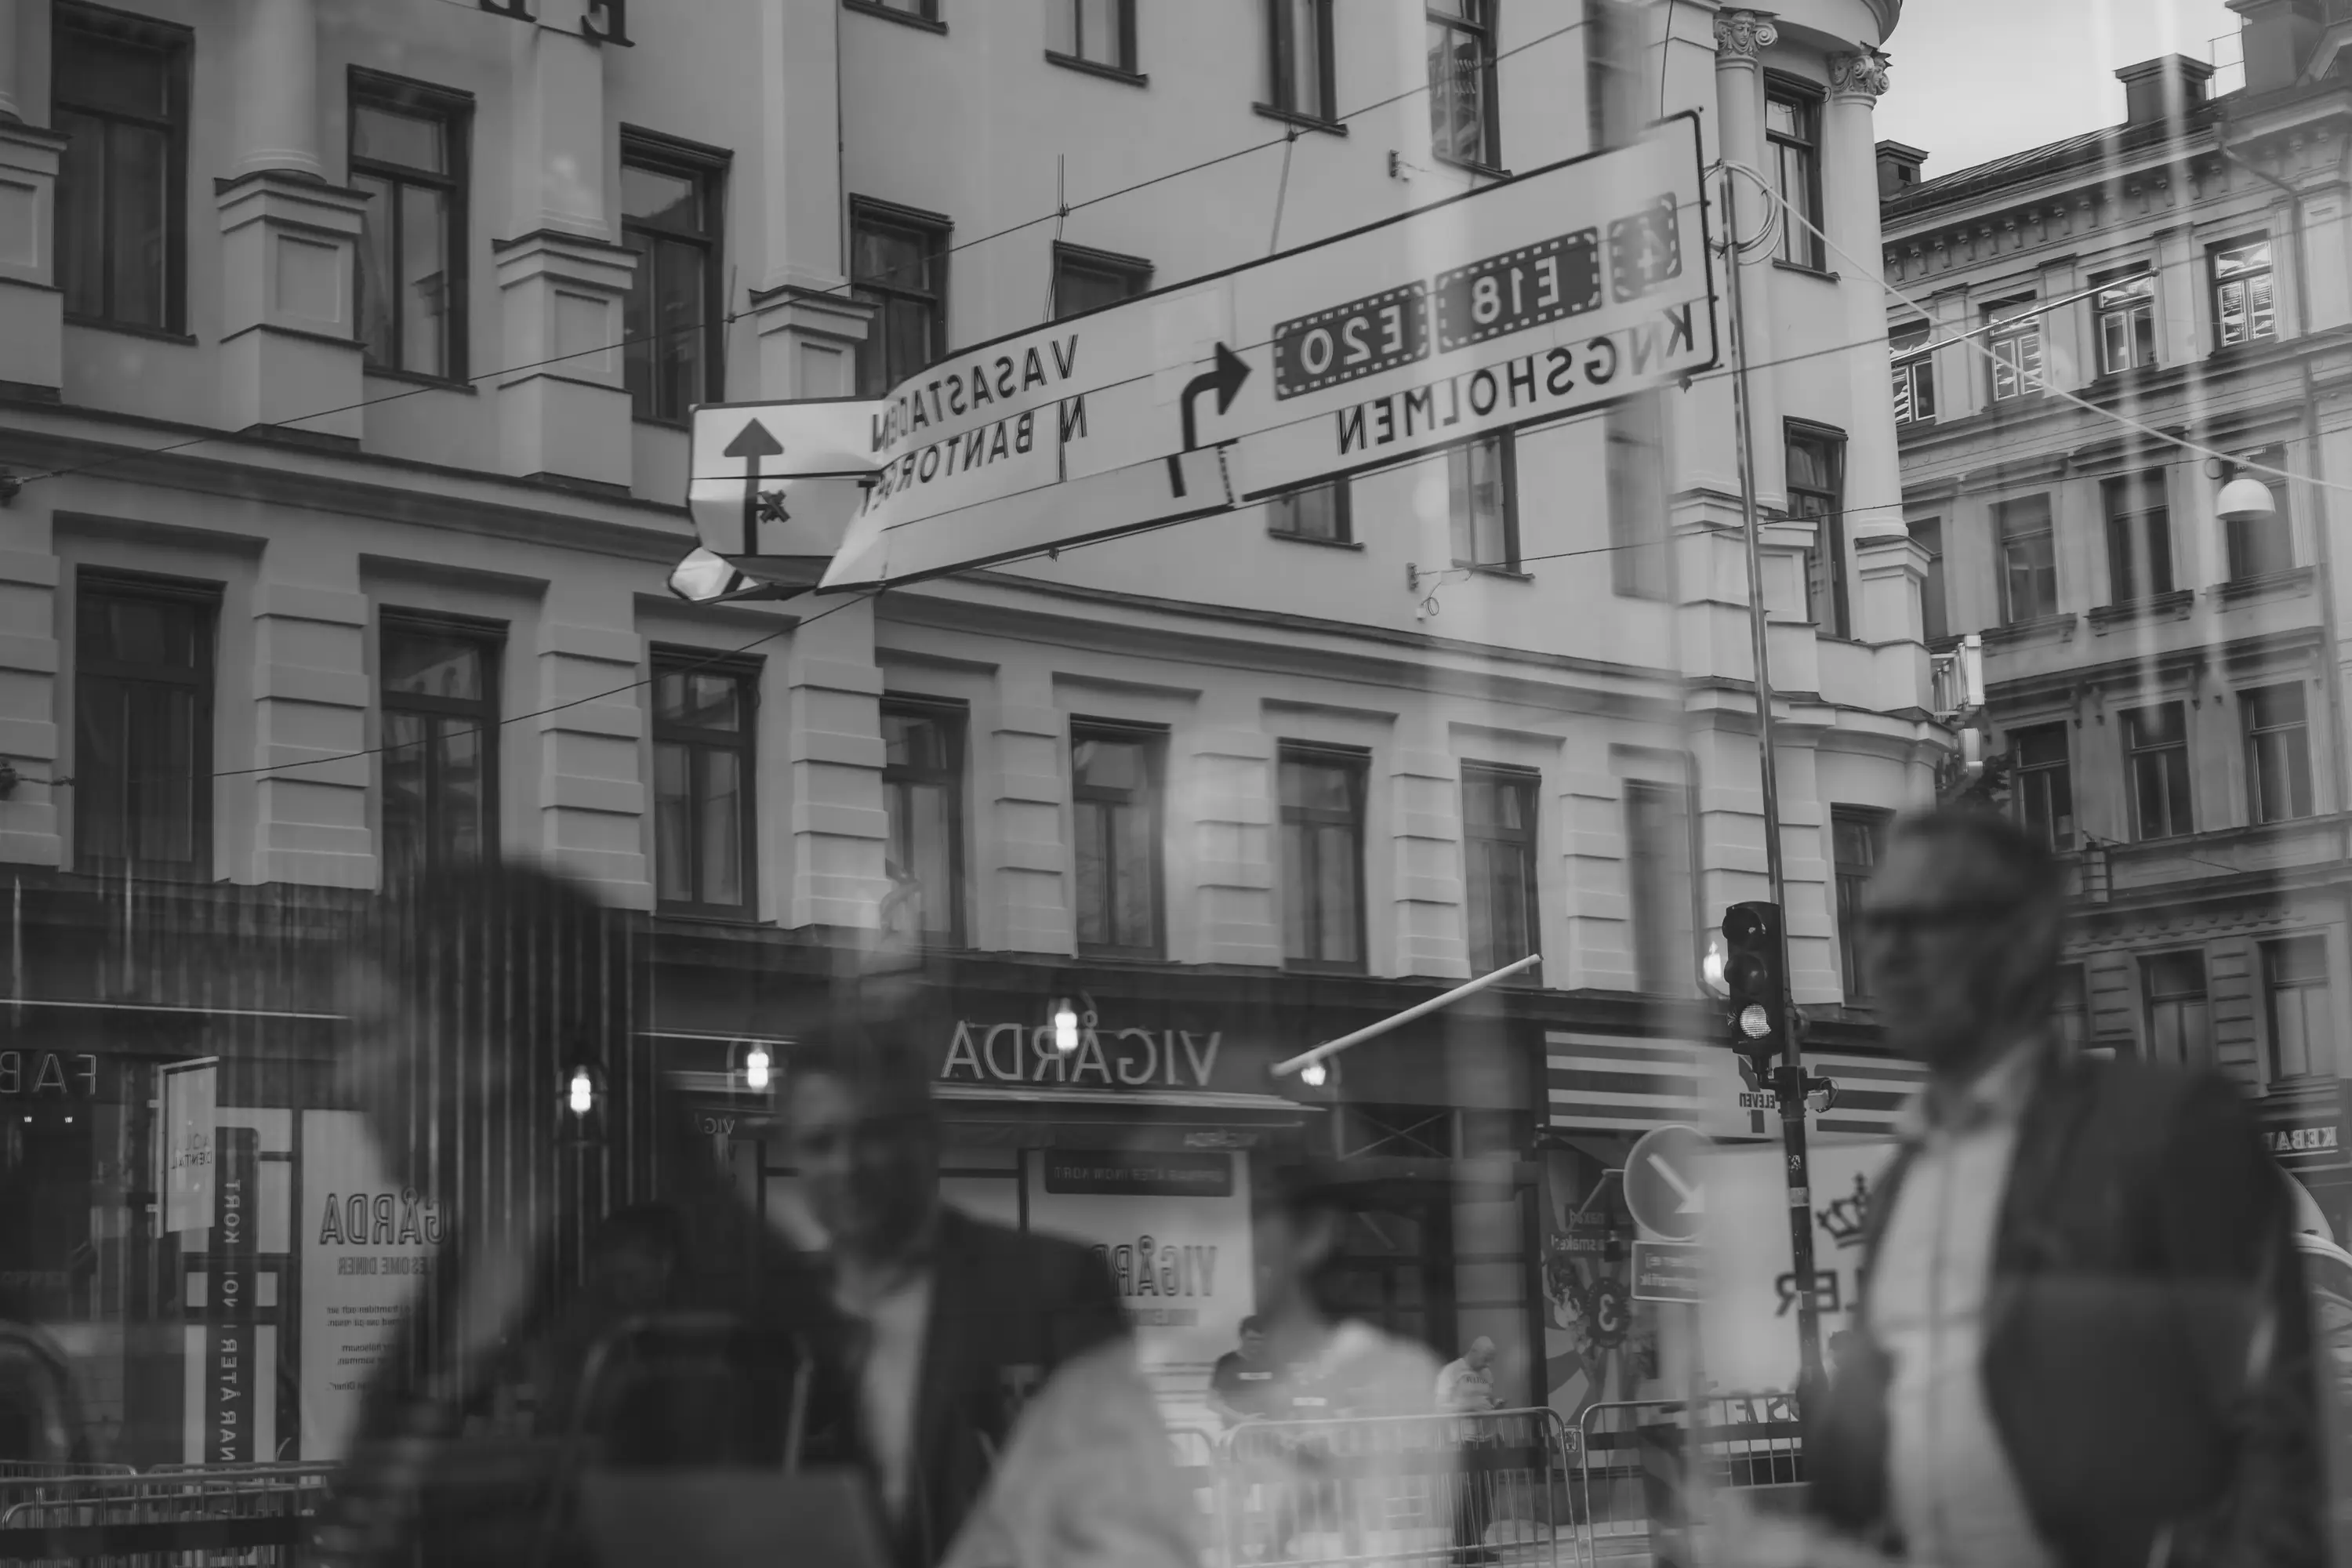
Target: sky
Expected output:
[1973,79]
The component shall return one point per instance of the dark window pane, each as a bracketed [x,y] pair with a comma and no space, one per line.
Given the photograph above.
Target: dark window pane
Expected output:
[673,823]
[81,214]
[388,135]
[1317,513]
[720,807]
[138,194]
[431,664]
[379,279]
[405,763]
[661,198]
[101,770]
[108,74]
[424,281]
[461,745]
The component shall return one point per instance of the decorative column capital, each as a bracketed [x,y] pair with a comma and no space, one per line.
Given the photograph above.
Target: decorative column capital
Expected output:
[1741,35]
[1861,75]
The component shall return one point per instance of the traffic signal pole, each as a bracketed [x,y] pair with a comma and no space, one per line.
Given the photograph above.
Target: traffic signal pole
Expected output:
[1789,1079]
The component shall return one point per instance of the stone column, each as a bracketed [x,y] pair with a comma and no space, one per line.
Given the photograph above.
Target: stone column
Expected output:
[277,88]
[562,277]
[32,308]
[12,57]
[809,328]
[290,241]
[1427,929]
[833,741]
[590,792]
[1874,477]
[1740,39]
[311,698]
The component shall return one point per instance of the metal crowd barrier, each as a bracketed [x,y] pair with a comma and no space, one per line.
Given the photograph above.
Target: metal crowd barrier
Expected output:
[1395,1489]
[176,1517]
[1641,1462]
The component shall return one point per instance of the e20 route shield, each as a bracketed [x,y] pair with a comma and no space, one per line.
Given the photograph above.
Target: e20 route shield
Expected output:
[1558,291]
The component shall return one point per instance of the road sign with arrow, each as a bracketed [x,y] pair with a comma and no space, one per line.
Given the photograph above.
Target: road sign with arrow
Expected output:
[1558,291]
[777,481]
[1664,1181]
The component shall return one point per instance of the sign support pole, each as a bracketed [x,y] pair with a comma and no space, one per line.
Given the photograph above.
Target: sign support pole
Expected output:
[1789,1079]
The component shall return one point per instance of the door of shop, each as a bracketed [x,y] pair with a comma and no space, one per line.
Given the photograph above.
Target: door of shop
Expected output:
[1395,1268]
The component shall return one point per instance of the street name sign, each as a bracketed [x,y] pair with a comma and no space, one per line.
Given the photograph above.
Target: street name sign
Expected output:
[1556,291]
[1669,1271]
[1665,1180]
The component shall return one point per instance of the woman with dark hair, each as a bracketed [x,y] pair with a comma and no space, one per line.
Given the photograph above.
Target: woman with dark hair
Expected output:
[495,1053]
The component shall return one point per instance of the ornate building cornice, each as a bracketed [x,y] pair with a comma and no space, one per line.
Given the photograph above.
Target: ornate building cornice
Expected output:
[1743,35]
[1862,74]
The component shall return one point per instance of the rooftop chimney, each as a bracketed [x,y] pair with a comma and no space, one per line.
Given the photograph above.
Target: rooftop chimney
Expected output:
[2277,38]
[2164,88]
[1898,168]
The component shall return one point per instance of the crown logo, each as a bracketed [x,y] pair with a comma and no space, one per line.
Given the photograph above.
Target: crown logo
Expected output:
[1848,1218]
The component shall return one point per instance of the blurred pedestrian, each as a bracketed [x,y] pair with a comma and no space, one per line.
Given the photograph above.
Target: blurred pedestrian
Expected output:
[2084,1339]
[476,998]
[953,1323]
[1241,1384]
[1467,1388]
[1466,1384]
[1339,1367]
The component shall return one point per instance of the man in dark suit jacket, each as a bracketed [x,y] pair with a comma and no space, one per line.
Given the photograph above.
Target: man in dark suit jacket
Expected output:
[947,1323]
[2132,1384]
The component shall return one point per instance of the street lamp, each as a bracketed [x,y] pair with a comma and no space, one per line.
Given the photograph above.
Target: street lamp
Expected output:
[2246,500]
[704,575]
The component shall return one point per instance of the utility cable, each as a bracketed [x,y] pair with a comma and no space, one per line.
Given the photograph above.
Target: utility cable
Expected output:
[1060,213]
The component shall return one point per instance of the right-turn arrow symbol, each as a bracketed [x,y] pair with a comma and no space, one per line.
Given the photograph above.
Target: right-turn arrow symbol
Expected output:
[1224,377]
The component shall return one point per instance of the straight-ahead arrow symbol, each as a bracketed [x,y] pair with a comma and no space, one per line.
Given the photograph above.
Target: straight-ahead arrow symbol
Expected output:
[752,444]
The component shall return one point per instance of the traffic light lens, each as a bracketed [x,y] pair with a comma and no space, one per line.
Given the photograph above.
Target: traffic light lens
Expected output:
[1754,1021]
[1745,974]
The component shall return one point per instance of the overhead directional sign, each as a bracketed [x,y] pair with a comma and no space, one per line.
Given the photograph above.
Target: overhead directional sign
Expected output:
[1558,291]
[1665,1180]
[779,480]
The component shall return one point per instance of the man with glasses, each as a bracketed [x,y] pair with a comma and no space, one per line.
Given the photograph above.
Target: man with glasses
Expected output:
[2083,1338]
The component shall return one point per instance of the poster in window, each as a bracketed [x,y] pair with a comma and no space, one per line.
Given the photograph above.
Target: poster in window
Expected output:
[367,1247]
[191,1099]
[1174,1231]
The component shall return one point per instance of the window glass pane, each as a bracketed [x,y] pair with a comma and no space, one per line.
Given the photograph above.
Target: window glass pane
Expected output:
[133,629]
[378,280]
[927,855]
[1107,764]
[137,195]
[1783,117]
[712,701]
[673,823]
[720,811]
[388,135]
[890,256]
[1135,904]
[424,280]
[81,214]
[1099,31]
[1316,787]
[914,740]
[101,770]
[1298,892]
[1335,874]
[677,345]
[1302,69]
[433,664]
[162,786]
[94,72]
[458,798]
[1316,513]
[661,198]
[403,762]
[1090,823]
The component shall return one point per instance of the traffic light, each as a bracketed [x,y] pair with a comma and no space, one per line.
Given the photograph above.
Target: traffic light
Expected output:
[1755,975]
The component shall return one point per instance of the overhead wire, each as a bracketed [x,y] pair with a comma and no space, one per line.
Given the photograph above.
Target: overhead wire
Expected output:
[1060,213]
